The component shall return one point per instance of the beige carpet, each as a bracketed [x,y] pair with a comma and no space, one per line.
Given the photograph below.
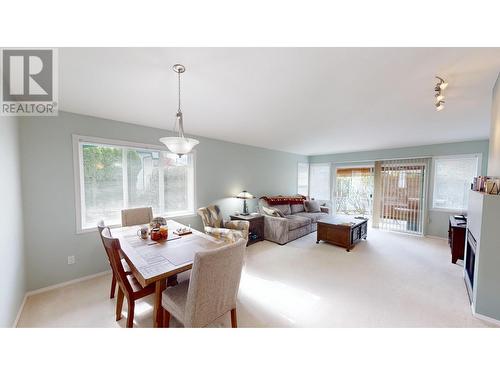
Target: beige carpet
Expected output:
[391,280]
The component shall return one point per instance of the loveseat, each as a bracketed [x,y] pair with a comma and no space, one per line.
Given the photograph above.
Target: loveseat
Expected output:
[293,220]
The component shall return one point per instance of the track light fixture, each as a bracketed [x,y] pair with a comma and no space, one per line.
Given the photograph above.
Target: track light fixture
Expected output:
[441,85]
[439,106]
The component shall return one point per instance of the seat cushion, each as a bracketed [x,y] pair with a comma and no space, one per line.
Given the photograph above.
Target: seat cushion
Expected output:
[295,221]
[313,216]
[174,299]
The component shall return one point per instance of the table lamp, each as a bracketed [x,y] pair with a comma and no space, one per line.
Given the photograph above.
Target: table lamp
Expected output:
[245,195]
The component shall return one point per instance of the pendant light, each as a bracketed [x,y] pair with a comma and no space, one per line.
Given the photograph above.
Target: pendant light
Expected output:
[179,145]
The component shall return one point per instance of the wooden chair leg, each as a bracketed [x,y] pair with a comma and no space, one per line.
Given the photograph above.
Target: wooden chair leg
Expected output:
[234,322]
[119,304]
[130,314]
[166,318]
[113,286]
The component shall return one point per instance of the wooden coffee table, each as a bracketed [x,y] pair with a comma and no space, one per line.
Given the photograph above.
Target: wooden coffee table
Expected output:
[342,230]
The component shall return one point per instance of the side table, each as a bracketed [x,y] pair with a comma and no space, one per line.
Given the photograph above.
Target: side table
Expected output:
[256,230]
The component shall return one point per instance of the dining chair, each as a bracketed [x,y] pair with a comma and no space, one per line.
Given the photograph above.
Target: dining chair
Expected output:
[136,216]
[212,289]
[128,286]
[100,228]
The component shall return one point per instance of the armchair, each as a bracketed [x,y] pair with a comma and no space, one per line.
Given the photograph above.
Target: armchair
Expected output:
[214,225]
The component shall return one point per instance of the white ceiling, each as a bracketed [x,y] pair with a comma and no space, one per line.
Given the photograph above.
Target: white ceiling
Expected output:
[303,100]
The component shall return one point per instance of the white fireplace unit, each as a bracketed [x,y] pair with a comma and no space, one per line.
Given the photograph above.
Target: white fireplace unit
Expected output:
[482,255]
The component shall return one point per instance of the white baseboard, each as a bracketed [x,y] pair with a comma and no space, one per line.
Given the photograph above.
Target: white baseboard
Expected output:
[65,283]
[436,237]
[486,318]
[14,325]
[52,287]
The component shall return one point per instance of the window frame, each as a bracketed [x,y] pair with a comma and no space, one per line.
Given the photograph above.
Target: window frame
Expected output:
[79,177]
[432,185]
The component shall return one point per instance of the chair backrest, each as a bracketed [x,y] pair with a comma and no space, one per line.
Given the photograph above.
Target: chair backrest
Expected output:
[211,216]
[113,248]
[214,283]
[100,228]
[136,216]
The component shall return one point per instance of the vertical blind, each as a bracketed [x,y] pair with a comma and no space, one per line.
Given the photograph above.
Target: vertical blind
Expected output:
[401,196]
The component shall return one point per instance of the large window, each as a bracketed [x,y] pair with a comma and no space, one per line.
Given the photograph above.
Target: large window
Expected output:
[303,179]
[114,175]
[453,176]
[319,181]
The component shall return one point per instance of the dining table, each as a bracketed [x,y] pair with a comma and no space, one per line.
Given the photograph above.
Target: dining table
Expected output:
[159,262]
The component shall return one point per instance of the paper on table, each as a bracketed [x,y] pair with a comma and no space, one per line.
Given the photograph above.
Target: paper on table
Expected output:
[178,256]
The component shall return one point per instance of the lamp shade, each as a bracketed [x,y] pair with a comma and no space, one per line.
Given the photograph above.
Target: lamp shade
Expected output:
[179,145]
[245,195]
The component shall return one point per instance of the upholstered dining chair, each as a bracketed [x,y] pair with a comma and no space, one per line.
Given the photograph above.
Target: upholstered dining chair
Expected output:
[214,225]
[212,289]
[128,286]
[136,216]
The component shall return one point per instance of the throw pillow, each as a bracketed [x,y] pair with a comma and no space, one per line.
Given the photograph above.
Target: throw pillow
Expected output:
[284,208]
[272,212]
[312,206]
[279,213]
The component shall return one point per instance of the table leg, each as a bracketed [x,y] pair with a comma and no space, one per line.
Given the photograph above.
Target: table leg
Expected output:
[157,315]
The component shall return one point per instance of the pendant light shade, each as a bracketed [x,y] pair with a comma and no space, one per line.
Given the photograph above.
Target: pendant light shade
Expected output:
[179,145]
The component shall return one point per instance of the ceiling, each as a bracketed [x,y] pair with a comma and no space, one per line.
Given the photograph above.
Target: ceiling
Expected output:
[303,100]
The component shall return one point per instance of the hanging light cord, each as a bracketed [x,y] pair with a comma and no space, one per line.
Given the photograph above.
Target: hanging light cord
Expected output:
[179,86]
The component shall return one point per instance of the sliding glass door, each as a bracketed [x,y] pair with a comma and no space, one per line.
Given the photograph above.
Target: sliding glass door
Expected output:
[354,191]
[400,195]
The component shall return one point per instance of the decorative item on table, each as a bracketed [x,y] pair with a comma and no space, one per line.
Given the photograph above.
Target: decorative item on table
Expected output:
[155,234]
[157,222]
[143,232]
[245,195]
[183,231]
[163,232]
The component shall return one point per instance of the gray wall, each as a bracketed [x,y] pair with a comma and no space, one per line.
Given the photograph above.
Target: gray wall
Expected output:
[494,161]
[12,267]
[438,220]
[222,170]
